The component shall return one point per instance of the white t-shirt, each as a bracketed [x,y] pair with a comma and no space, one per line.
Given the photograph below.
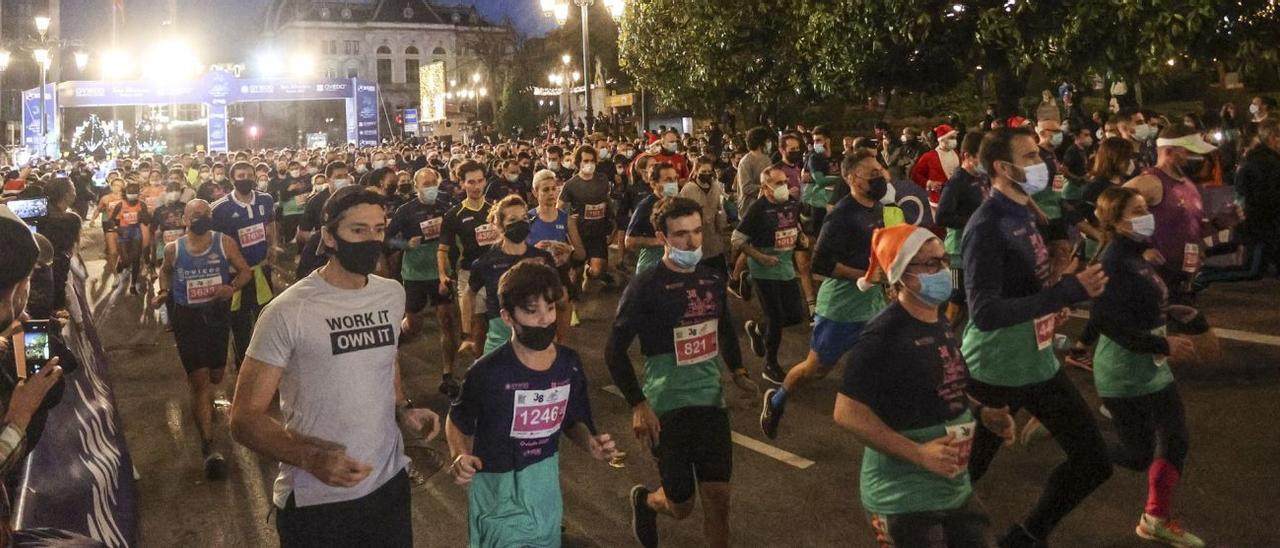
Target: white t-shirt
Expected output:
[338,350]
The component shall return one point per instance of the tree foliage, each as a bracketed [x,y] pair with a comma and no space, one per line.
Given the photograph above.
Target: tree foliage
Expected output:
[700,55]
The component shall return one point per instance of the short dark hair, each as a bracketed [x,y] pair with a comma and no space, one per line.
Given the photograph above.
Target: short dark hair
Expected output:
[526,281]
[555,149]
[584,149]
[655,169]
[346,198]
[997,145]
[972,142]
[854,158]
[332,167]
[757,137]
[240,165]
[821,130]
[469,166]
[59,188]
[673,208]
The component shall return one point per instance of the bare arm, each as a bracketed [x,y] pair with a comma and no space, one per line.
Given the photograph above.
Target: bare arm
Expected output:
[252,427]
[244,275]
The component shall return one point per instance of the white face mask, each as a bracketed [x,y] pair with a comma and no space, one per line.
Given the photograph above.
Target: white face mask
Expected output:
[567,164]
[1144,225]
[1037,178]
[341,182]
[781,193]
[378,164]
[1253,109]
[948,144]
[588,168]
[905,139]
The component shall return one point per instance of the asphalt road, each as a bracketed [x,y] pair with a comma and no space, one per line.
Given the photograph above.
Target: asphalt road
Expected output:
[798,490]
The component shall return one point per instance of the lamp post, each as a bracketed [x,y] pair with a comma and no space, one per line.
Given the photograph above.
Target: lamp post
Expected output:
[559,9]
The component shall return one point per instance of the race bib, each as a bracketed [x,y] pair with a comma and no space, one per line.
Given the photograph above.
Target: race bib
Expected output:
[1191,258]
[538,413]
[300,199]
[1059,181]
[202,290]
[963,433]
[431,228]
[487,234]
[129,217]
[594,212]
[697,343]
[252,234]
[172,235]
[785,238]
[1044,331]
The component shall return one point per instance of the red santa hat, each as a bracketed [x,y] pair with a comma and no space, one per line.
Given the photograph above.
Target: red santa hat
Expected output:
[1016,121]
[943,131]
[891,249]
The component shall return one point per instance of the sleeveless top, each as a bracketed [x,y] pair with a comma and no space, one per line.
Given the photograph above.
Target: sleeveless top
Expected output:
[1178,216]
[197,277]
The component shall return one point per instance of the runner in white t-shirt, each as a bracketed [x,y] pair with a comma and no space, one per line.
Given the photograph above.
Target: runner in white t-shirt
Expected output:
[328,344]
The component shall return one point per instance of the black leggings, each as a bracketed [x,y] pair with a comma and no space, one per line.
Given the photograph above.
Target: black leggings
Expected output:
[1066,415]
[1151,426]
[783,306]
[381,518]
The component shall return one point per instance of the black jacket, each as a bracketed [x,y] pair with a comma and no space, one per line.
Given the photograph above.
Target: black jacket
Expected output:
[1258,183]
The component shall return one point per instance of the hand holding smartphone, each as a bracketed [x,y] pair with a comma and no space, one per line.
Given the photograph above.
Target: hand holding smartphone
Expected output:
[31,348]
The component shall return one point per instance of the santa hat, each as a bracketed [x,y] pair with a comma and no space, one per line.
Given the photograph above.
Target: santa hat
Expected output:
[1016,121]
[891,249]
[943,131]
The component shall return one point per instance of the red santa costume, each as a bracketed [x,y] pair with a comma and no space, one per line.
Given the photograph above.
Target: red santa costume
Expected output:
[935,167]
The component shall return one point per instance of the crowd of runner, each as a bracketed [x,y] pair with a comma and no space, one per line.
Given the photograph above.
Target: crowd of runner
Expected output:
[941,313]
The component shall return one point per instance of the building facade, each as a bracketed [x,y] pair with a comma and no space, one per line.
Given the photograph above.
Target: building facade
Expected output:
[387,41]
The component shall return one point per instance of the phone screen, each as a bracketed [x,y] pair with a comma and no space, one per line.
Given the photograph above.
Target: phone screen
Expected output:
[30,209]
[35,346]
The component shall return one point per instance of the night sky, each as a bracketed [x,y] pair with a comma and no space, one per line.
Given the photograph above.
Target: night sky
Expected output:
[228,30]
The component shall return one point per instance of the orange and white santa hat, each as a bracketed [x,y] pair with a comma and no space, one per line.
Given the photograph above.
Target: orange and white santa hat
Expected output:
[891,249]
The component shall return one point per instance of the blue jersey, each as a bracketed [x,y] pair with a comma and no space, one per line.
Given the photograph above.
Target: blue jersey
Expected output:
[197,277]
[541,231]
[247,223]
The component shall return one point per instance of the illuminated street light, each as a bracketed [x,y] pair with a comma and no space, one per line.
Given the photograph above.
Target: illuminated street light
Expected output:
[548,7]
[484,92]
[452,82]
[475,78]
[576,76]
[42,24]
[253,132]
[4,59]
[116,65]
[302,65]
[170,61]
[82,60]
[565,59]
[562,13]
[270,64]
[615,7]
[42,57]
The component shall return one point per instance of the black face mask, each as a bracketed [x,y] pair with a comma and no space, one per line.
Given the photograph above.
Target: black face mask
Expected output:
[244,186]
[404,188]
[535,338]
[879,186]
[358,257]
[516,232]
[794,158]
[1193,165]
[705,179]
[199,225]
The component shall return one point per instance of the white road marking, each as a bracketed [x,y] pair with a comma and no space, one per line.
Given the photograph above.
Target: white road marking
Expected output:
[1232,334]
[753,444]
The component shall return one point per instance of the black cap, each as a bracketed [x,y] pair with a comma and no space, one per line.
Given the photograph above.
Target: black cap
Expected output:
[20,251]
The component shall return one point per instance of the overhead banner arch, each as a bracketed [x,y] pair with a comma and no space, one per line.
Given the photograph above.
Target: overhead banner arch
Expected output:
[216,89]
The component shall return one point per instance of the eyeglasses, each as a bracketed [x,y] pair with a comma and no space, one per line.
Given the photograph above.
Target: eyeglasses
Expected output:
[931,266]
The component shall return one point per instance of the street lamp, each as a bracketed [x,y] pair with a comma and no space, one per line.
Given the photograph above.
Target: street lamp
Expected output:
[560,10]
[42,25]
[82,60]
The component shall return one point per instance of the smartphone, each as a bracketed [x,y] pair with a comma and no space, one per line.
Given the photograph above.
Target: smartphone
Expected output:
[30,209]
[33,344]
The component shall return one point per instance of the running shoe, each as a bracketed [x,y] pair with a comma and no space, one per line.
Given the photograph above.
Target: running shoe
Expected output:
[1080,357]
[1033,431]
[644,520]
[769,415]
[450,388]
[732,288]
[773,374]
[744,287]
[1168,531]
[573,319]
[756,338]
[215,467]
[1102,410]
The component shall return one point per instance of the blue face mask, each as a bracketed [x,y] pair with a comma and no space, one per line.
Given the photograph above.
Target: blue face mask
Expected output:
[685,259]
[935,288]
[670,189]
[429,195]
[1056,140]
